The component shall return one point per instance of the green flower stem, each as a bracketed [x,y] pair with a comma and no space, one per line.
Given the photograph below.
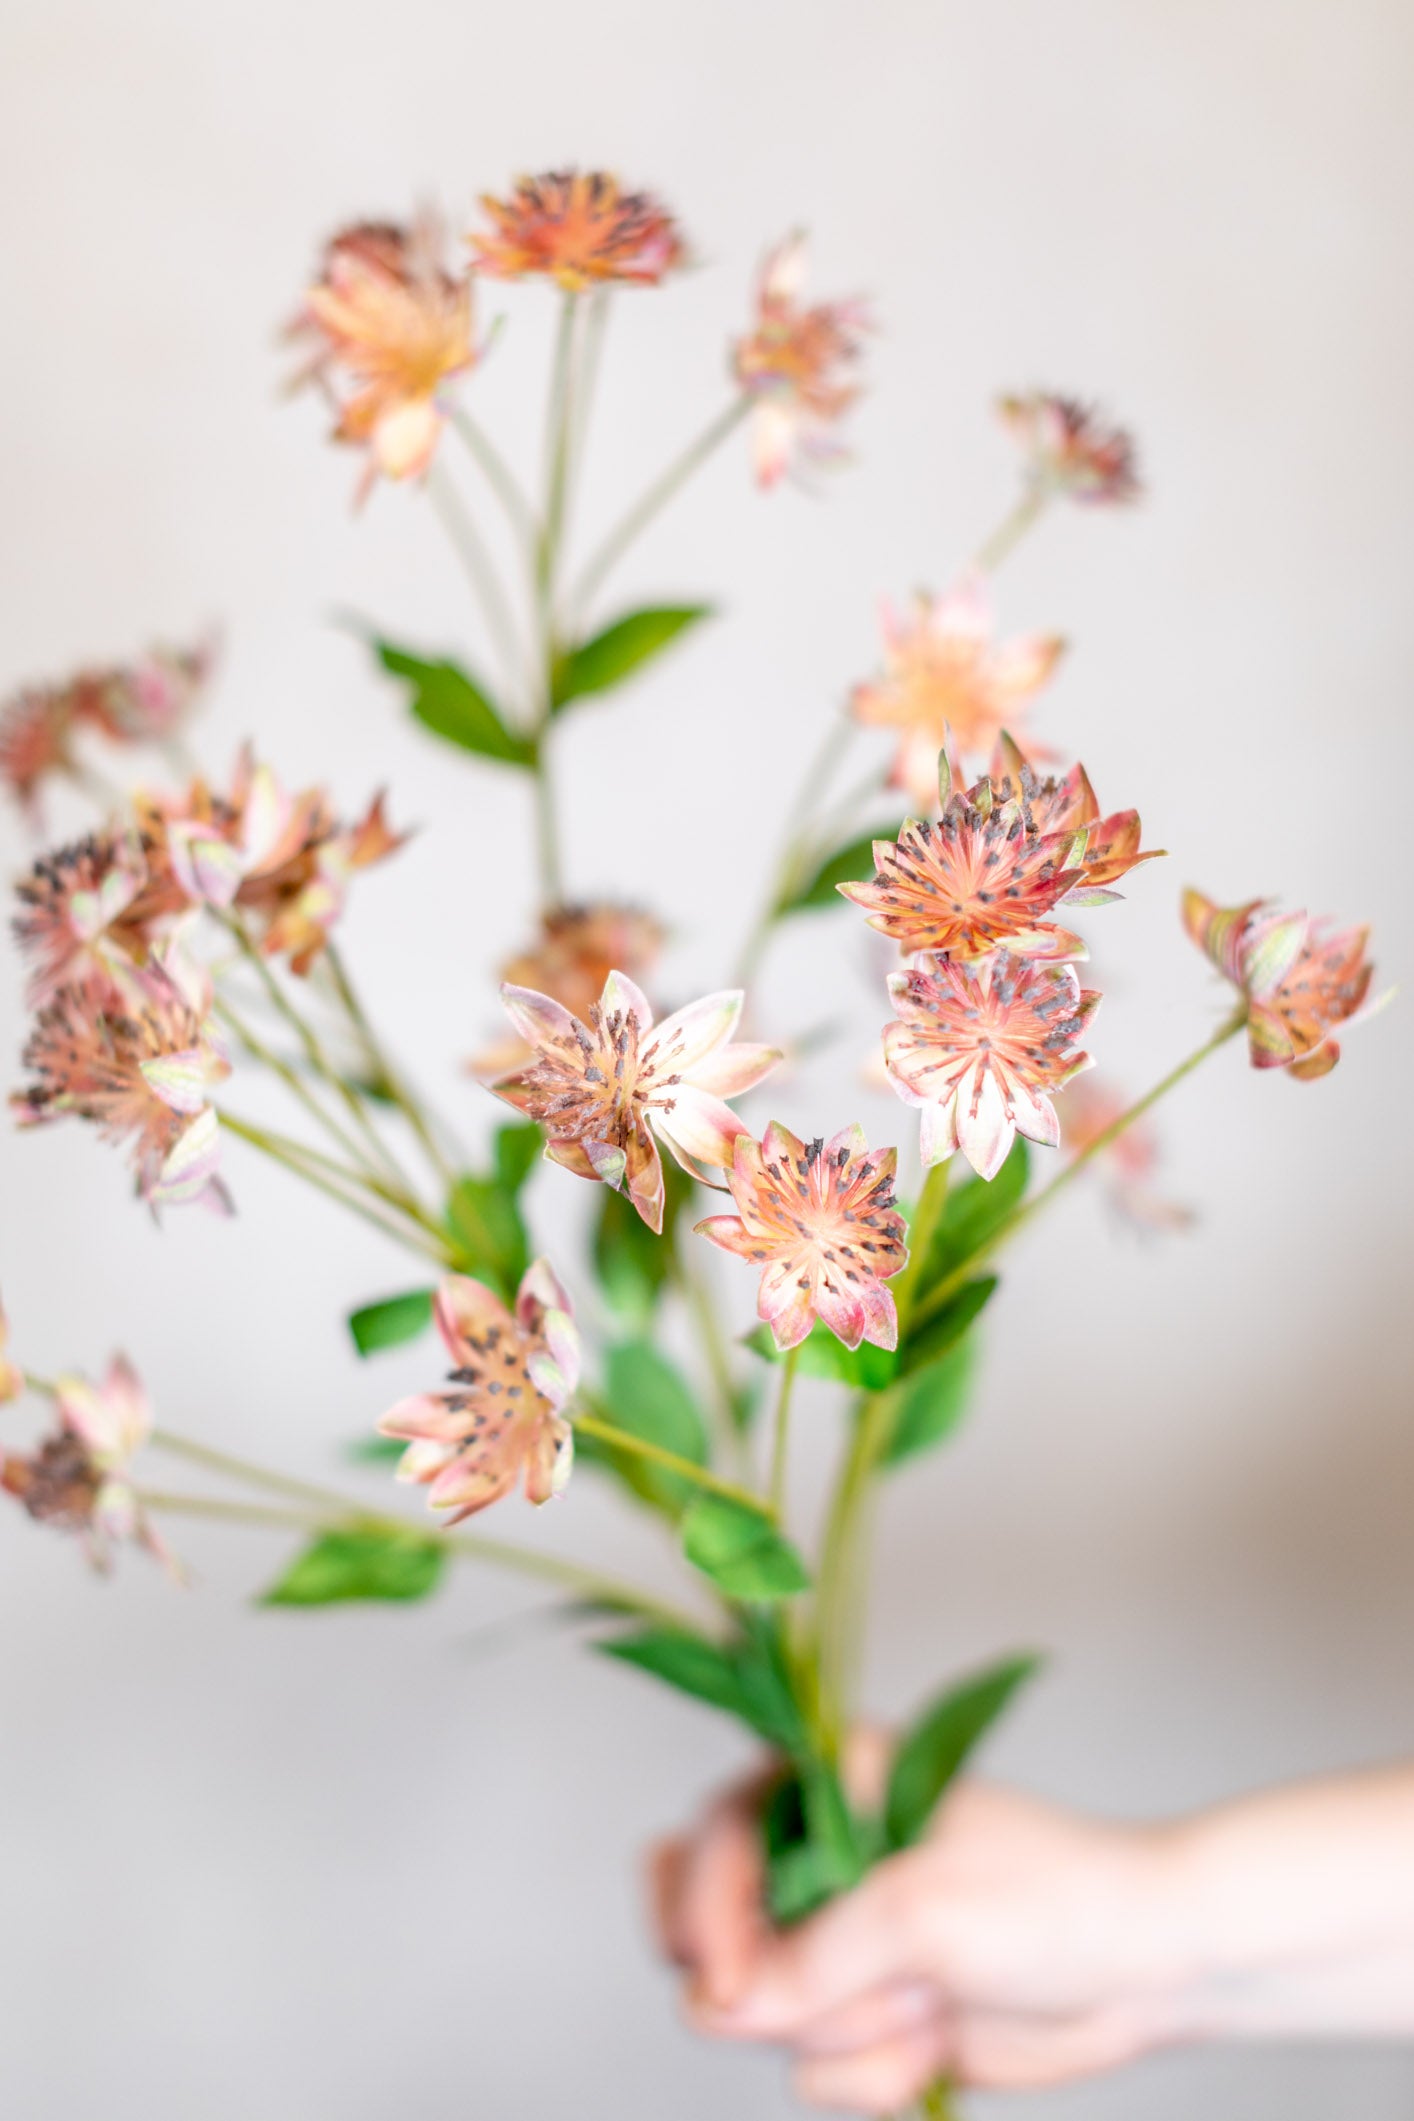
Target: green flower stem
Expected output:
[937,2103]
[308,1165]
[42,1385]
[656,497]
[938,1295]
[255,1046]
[480,569]
[780,1442]
[1003,541]
[927,1216]
[838,1602]
[388,1078]
[692,1283]
[559,426]
[608,1432]
[498,475]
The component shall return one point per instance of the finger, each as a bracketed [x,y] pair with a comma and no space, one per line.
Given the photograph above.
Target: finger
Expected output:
[877,2080]
[861,1942]
[666,1869]
[868,2021]
[723,1922]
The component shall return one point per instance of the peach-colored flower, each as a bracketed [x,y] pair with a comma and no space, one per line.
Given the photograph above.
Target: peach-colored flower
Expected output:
[36,744]
[1128,1163]
[76,912]
[390,326]
[982,1049]
[500,1419]
[138,1066]
[819,1217]
[797,364]
[579,228]
[607,1088]
[1300,979]
[985,874]
[80,1478]
[1070,448]
[944,676]
[578,947]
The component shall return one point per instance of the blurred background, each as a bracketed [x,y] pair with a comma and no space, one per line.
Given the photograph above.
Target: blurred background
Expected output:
[331,1866]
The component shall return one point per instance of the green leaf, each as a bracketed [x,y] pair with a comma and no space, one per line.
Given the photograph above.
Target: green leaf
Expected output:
[645,1396]
[453,706]
[634,1265]
[926,1406]
[934,1336]
[973,1212]
[813,1843]
[389,1323]
[738,1677]
[851,864]
[866,1367]
[622,648]
[941,1740]
[515,1150]
[486,1224]
[361,1564]
[376,1450]
[741,1550]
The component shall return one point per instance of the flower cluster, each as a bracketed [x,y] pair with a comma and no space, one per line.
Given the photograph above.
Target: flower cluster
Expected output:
[143,702]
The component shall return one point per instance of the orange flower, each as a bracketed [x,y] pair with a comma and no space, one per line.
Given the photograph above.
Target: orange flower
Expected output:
[1071,449]
[1002,856]
[944,676]
[1301,980]
[819,1217]
[579,946]
[796,365]
[390,326]
[580,229]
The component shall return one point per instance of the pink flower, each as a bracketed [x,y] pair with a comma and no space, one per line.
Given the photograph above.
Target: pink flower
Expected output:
[148,701]
[80,1478]
[139,1069]
[797,365]
[820,1219]
[1301,980]
[1070,448]
[982,1049]
[604,1088]
[76,906]
[944,676]
[501,1419]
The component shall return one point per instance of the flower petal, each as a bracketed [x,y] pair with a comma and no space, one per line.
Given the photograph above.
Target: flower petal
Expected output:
[733,1070]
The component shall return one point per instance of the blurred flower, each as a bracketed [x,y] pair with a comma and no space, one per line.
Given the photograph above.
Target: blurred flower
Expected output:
[390,324]
[580,229]
[76,912]
[12,1379]
[36,728]
[1127,1164]
[944,676]
[578,947]
[1301,980]
[999,859]
[129,703]
[820,1218]
[501,1419]
[603,1087]
[137,1067]
[796,364]
[80,1478]
[982,1049]
[1068,446]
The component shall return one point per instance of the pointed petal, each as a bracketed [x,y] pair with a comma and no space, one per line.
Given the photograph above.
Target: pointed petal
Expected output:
[731,1233]
[684,1040]
[701,1126]
[623,997]
[786,1300]
[733,1070]
[539,1020]
[465,1311]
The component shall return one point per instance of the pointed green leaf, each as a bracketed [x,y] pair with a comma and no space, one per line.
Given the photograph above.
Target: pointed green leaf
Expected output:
[927,1405]
[934,1336]
[941,1740]
[446,700]
[741,1550]
[850,864]
[370,1563]
[645,1396]
[822,1355]
[690,1663]
[622,648]
[486,1223]
[389,1323]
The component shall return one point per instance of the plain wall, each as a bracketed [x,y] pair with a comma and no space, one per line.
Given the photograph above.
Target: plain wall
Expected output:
[339,1866]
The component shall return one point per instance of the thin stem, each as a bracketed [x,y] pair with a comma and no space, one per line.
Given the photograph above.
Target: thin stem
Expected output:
[938,1295]
[460,527]
[937,2102]
[608,1432]
[261,1513]
[498,474]
[388,1077]
[1003,541]
[558,427]
[547,835]
[300,1090]
[839,1611]
[927,1216]
[664,487]
[789,873]
[247,1473]
[308,1164]
[691,1281]
[780,1445]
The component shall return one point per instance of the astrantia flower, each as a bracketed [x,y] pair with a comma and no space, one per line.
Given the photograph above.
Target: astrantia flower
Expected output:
[944,675]
[1069,447]
[580,229]
[139,1069]
[1001,857]
[80,1478]
[578,947]
[499,1419]
[148,701]
[129,703]
[390,326]
[797,365]
[1301,980]
[982,1049]
[1128,1163]
[604,1086]
[819,1217]
[76,910]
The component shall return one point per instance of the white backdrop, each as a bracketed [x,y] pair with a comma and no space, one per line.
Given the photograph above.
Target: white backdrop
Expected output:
[339,1866]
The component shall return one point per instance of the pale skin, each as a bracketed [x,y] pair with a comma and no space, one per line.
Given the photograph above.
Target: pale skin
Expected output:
[1021,1944]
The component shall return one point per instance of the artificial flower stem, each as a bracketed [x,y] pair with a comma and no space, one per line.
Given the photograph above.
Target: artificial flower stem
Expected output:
[932,1201]
[498,475]
[246,1472]
[608,1432]
[780,1440]
[838,1608]
[460,526]
[389,1079]
[690,1280]
[547,837]
[937,2103]
[937,1296]
[259,1051]
[558,429]
[791,870]
[1013,527]
[295,1157]
[656,497]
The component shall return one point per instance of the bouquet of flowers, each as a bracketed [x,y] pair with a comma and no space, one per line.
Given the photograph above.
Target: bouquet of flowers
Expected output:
[193,938]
